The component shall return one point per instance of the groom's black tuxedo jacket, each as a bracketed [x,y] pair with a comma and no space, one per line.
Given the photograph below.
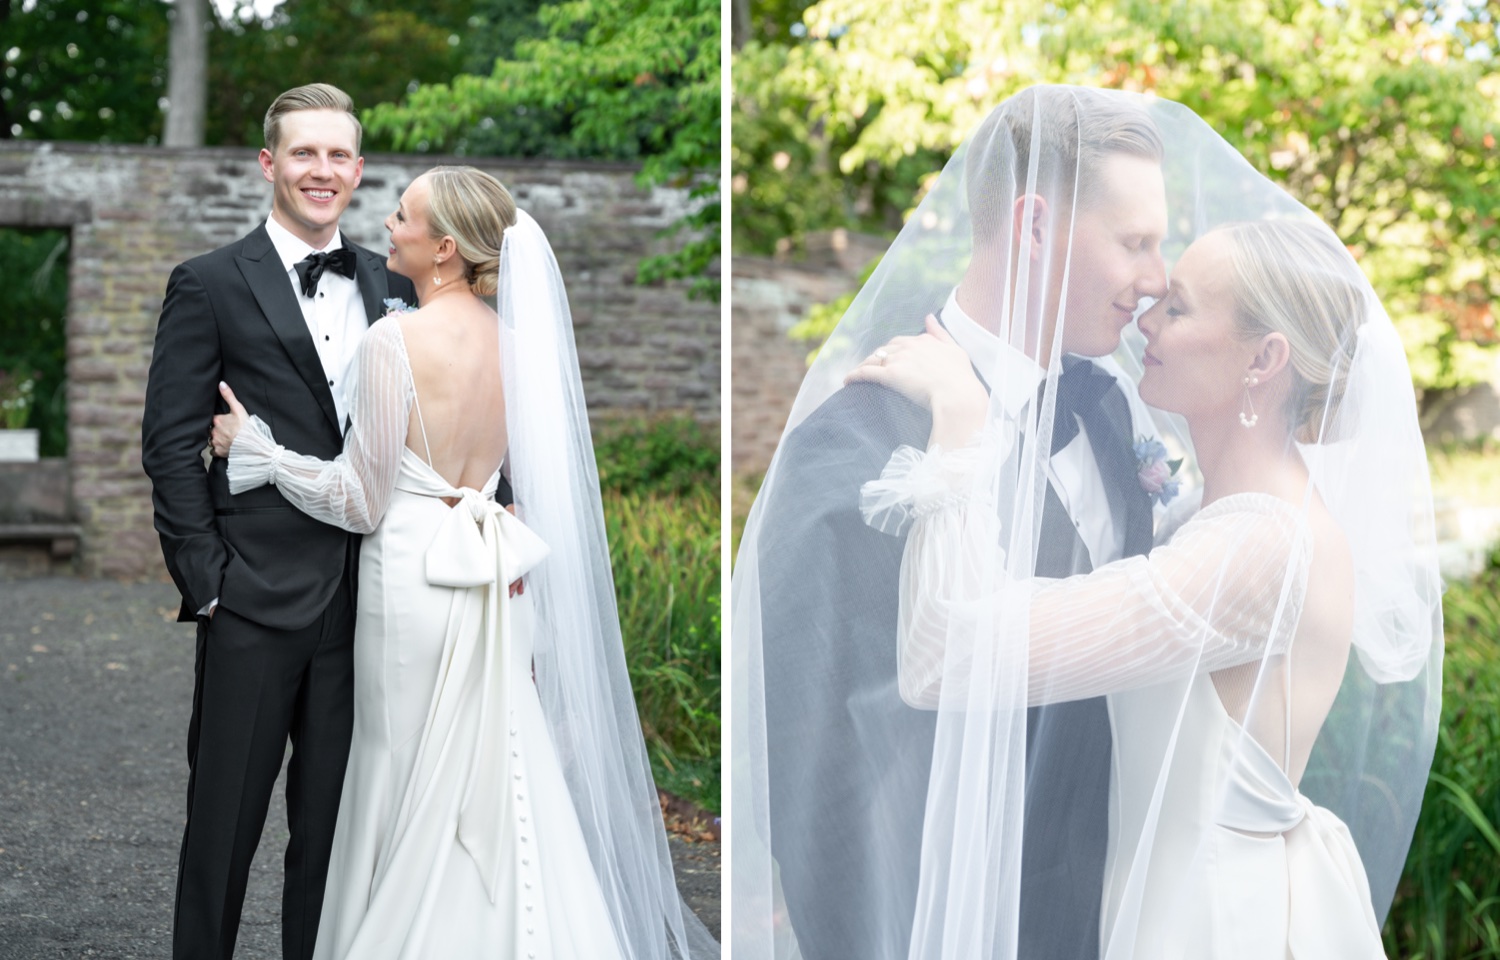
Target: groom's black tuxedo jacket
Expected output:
[233,315]
[870,767]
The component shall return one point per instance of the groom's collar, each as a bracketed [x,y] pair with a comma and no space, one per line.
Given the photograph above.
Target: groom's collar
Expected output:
[1003,368]
[291,248]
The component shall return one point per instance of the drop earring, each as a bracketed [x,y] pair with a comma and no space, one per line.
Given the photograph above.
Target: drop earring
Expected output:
[1249,421]
[437,280]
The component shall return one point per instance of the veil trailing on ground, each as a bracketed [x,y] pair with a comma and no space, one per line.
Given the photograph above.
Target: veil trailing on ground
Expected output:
[948,741]
[580,665]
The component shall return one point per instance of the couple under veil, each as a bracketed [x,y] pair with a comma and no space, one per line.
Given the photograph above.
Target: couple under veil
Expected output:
[1049,647]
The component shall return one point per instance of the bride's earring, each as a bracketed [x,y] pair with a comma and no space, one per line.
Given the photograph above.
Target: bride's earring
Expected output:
[1249,421]
[437,281]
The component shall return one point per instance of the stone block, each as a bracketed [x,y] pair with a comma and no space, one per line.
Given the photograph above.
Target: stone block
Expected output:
[84,370]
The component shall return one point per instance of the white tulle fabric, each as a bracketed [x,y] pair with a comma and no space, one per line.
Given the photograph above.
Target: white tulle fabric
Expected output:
[1129,624]
[434,578]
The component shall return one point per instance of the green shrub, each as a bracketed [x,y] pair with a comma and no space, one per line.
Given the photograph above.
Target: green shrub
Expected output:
[661,512]
[1447,905]
[665,553]
[668,455]
[33,337]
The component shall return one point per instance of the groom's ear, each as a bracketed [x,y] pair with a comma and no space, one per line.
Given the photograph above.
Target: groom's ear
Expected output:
[268,165]
[1029,221]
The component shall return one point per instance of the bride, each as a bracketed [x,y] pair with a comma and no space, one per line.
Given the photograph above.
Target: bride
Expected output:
[497,800]
[1264,782]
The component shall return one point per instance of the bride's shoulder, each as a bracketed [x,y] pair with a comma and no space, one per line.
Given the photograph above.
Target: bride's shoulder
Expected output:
[1247,516]
[386,332]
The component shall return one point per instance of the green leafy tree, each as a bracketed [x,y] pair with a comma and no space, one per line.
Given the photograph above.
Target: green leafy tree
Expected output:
[374,50]
[83,70]
[630,80]
[97,69]
[33,333]
[1380,118]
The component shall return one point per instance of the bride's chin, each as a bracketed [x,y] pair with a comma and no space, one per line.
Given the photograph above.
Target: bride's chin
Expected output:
[1151,396]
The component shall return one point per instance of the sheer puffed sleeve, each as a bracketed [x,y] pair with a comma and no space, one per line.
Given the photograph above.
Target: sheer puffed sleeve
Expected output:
[351,491]
[1226,588]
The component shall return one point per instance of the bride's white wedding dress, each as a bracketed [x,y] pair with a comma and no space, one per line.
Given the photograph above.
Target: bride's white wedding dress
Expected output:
[1213,851]
[1239,864]
[456,835]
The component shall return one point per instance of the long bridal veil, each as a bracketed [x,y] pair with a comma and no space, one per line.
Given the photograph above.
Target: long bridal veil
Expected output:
[927,830]
[580,663]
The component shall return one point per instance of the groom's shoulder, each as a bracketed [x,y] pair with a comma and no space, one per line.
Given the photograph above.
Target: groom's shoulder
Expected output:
[859,416]
[252,244]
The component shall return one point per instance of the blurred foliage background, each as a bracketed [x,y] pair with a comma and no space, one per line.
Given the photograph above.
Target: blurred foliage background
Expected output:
[1380,117]
[627,80]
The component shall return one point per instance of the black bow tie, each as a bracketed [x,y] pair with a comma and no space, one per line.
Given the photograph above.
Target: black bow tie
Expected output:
[1079,390]
[310,269]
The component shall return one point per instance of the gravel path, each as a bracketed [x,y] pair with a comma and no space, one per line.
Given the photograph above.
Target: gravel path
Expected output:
[96,683]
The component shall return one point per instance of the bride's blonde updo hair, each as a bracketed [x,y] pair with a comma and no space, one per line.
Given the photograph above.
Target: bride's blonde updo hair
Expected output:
[475,210]
[1298,280]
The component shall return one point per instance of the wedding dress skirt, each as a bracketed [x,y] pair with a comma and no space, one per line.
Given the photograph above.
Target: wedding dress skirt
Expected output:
[456,836]
[1241,865]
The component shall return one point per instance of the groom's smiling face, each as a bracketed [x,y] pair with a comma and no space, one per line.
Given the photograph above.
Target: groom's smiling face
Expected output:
[315,169]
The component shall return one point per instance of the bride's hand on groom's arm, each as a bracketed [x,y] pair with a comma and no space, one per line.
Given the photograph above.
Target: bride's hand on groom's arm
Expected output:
[934,371]
[227,426]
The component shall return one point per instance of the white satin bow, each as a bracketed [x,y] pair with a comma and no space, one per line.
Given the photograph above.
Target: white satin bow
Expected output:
[1329,915]
[480,541]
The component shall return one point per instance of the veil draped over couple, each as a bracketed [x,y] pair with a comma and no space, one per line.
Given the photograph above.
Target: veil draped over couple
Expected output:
[1052,646]
[480,787]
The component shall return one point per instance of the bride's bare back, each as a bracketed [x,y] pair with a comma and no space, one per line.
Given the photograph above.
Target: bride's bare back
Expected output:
[453,346]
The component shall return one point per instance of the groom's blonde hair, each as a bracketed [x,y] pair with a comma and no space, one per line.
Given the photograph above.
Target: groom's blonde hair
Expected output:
[312,96]
[1075,130]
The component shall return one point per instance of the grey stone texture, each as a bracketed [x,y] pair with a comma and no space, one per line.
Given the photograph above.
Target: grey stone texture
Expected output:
[135,212]
[769,295]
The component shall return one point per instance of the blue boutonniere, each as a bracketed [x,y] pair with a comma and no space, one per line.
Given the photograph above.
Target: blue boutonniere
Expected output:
[1155,471]
[395,305]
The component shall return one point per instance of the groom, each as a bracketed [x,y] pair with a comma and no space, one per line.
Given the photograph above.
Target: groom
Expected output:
[858,748]
[280,314]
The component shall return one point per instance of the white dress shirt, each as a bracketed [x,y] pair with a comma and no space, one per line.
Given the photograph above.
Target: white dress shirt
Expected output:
[335,316]
[1073,470]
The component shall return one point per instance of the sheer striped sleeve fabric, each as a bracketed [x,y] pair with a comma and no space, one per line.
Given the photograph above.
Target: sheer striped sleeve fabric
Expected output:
[351,491]
[1227,589]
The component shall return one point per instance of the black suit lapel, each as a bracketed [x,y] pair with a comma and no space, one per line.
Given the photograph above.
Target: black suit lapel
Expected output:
[1109,430]
[268,282]
[373,288]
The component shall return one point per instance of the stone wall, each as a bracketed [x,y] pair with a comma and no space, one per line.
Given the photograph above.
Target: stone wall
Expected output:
[767,297]
[135,212]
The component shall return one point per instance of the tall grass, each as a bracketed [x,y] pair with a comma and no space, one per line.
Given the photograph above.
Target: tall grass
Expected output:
[661,509]
[1447,905]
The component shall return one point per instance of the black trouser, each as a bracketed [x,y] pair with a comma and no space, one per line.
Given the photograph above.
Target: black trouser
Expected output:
[255,687]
